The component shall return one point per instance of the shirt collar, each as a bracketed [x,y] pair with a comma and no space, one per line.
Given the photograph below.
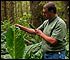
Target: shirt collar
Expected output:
[52,19]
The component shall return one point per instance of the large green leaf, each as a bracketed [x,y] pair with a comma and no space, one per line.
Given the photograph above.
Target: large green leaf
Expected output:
[15,42]
[9,40]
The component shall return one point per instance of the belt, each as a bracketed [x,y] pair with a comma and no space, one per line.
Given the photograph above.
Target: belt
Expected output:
[52,51]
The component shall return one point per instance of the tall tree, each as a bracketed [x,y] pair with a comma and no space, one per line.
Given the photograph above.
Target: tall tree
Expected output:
[21,11]
[18,8]
[15,9]
[5,12]
[36,10]
[12,11]
[2,10]
[66,11]
[7,9]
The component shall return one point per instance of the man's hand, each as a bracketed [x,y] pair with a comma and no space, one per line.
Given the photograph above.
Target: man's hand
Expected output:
[17,25]
[45,37]
[29,30]
[38,32]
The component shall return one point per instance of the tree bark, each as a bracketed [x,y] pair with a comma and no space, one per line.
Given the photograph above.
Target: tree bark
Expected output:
[3,10]
[35,11]
[5,13]
[12,11]
[21,9]
[66,12]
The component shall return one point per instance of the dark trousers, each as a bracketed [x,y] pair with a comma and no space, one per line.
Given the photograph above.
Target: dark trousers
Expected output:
[54,55]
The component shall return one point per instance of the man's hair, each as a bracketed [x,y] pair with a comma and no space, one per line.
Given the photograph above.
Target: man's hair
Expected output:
[51,7]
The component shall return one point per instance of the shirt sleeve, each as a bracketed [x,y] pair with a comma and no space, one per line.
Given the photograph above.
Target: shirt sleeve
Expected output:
[42,26]
[59,32]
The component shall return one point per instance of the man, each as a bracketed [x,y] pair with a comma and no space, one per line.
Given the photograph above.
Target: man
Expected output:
[53,32]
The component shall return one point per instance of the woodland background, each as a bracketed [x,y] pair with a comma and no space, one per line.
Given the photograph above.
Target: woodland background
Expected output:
[26,13]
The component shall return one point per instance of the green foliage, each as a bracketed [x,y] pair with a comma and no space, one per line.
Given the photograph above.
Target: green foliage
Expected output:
[15,43]
[24,20]
[13,39]
[6,56]
[5,25]
[67,46]
[33,51]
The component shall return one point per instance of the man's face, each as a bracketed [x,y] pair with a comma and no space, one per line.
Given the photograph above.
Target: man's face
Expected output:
[46,14]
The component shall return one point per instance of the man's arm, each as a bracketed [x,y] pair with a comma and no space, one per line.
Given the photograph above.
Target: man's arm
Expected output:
[51,40]
[38,32]
[32,31]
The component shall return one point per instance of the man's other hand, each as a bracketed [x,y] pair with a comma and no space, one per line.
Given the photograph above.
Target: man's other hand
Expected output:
[38,32]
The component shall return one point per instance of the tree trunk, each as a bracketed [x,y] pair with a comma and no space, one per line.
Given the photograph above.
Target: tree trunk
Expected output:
[21,9]
[5,13]
[35,11]
[3,10]
[66,12]
[15,9]
[12,11]
[8,9]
